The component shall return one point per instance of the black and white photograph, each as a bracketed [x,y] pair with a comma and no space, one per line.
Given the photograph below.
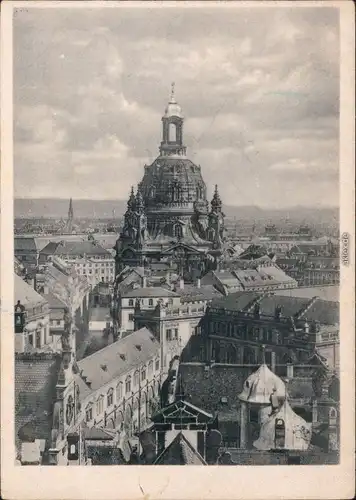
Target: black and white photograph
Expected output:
[177,246]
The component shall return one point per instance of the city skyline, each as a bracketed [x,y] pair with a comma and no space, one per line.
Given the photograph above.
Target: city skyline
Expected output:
[88,104]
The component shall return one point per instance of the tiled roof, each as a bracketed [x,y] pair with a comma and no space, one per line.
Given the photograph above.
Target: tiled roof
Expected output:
[74,248]
[235,301]
[193,293]
[153,291]
[331,292]
[25,243]
[264,276]
[53,301]
[290,305]
[96,434]
[25,293]
[324,311]
[180,452]
[35,392]
[119,358]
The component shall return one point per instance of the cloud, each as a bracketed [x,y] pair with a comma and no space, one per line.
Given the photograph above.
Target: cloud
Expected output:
[261,99]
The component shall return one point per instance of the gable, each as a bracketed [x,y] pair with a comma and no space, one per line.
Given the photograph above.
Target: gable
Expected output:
[181,412]
[181,247]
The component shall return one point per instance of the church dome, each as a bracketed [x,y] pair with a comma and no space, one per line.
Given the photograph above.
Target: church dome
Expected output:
[173,180]
[260,385]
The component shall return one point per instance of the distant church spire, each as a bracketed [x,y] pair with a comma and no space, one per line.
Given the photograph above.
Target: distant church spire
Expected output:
[69,225]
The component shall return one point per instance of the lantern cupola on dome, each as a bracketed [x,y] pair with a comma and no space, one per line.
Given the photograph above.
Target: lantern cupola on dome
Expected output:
[173,108]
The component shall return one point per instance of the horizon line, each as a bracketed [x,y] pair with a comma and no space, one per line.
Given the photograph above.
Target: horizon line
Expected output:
[226,204]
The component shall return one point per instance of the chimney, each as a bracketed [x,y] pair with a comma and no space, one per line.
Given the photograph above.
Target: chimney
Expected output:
[181,284]
[306,327]
[198,283]
[144,281]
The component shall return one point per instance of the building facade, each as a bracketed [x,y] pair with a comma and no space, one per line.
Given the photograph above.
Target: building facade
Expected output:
[32,328]
[115,389]
[88,258]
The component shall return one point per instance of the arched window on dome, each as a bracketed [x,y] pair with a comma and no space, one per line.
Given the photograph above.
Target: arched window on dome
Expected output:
[172,132]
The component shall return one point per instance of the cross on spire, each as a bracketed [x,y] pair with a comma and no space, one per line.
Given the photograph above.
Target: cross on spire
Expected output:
[172,92]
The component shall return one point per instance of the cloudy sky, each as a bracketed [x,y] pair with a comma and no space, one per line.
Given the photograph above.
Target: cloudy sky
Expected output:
[259,88]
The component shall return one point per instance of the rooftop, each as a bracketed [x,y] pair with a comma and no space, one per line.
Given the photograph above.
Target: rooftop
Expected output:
[35,391]
[153,291]
[192,293]
[119,358]
[180,452]
[314,309]
[330,293]
[74,248]
[26,294]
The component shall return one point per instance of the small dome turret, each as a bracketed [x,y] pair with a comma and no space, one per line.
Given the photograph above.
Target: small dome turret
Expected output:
[261,384]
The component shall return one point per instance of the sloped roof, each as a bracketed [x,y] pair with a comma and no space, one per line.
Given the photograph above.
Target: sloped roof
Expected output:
[119,358]
[261,384]
[194,293]
[179,410]
[153,291]
[298,432]
[96,434]
[53,301]
[180,452]
[35,392]
[323,311]
[290,306]
[328,292]
[235,301]
[25,243]
[74,248]
[25,293]
[264,276]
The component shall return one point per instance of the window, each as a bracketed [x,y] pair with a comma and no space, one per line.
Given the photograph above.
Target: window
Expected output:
[150,302]
[110,397]
[175,334]
[143,374]
[58,322]
[128,385]
[169,334]
[100,405]
[89,413]
[150,368]
[136,378]
[131,302]
[157,365]
[131,317]
[119,391]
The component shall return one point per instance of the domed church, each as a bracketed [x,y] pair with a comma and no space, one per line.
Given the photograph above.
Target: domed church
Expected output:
[169,218]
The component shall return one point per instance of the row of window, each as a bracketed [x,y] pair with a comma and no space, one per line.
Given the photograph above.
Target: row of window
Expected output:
[245,332]
[121,390]
[101,264]
[172,334]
